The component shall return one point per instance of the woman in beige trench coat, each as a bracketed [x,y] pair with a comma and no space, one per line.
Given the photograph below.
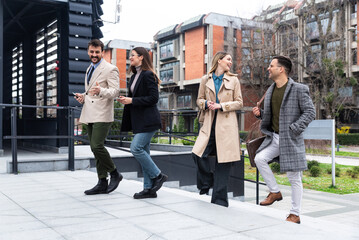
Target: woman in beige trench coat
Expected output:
[219,96]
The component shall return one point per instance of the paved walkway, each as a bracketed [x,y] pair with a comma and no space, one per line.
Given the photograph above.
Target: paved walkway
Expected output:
[51,205]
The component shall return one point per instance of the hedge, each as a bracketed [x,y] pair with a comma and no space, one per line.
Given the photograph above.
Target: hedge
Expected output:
[348,139]
[243,135]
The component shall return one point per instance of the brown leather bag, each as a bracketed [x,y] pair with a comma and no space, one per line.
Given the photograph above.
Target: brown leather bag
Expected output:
[253,144]
[252,147]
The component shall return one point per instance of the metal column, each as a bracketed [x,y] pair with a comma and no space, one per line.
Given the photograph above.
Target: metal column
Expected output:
[71,139]
[1,71]
[13,139]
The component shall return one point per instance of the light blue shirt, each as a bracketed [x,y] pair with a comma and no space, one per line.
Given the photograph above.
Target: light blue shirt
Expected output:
[94,67]
[217,84]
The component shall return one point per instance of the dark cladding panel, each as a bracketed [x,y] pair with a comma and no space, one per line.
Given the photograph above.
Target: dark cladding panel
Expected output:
[78,53]
[84,1]
[80,19]
[78,66]
[78,42]
[80,7]
[76,88]
[80,31]
[74,103]
[75,77]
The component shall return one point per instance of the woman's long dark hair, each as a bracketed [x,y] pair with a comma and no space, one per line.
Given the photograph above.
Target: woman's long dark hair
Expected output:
[146,62]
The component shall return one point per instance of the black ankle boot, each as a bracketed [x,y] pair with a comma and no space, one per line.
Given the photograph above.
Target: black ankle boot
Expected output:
[145,193]
[116,178]
[204,191]
[100,188]
[158,181]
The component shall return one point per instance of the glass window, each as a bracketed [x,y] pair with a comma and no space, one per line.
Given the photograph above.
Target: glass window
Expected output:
[246,72]
[163,103]
[313,60]
[355,59]
[312,30]
[257,37]
[246,53]
[17,72]
[46,70]
[166,50]
[246,35]
[225,32]
[184,101]
[354,11]
[166,76]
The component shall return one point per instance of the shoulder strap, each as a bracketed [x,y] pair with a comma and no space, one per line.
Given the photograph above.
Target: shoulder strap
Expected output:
[261,100]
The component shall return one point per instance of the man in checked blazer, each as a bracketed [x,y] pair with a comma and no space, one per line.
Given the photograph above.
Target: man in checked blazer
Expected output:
[288,110]
[101,88]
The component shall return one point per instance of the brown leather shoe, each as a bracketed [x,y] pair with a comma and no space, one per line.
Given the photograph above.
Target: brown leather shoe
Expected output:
[293,218]
[271,198]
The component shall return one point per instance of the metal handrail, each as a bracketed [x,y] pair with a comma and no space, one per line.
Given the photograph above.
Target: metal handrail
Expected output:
[71,138]
[14,137]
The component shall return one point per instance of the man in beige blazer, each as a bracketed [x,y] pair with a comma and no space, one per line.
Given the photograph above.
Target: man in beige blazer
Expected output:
[102,87]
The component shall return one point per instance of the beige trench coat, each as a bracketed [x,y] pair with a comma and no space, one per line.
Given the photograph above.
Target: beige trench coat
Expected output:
[227,135]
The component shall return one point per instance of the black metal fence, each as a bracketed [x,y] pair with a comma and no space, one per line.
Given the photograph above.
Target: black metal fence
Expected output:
[14,137]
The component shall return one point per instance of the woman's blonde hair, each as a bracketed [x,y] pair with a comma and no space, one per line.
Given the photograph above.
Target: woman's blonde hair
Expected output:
[216,57]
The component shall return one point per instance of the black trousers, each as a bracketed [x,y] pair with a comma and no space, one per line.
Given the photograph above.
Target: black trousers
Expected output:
[206,178]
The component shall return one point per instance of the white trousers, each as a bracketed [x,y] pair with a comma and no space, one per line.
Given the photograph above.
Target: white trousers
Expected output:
[295,178]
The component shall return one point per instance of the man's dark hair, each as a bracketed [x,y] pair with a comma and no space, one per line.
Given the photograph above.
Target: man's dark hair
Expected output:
[284,62]
[95,43]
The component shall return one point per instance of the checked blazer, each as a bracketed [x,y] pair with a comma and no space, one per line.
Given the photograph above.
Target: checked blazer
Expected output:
[296,112]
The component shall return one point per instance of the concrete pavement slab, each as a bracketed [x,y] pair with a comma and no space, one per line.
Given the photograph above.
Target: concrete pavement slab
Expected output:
[58,209]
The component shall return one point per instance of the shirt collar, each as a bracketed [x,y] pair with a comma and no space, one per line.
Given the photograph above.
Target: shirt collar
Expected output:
[217,78]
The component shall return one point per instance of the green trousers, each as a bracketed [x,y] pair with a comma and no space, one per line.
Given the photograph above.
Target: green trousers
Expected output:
[97,133]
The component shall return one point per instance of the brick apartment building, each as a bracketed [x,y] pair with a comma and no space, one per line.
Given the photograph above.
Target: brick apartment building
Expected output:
[182,54]
[341,44]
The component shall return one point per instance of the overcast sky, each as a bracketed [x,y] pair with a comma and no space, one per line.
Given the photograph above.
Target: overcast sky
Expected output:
[140,20]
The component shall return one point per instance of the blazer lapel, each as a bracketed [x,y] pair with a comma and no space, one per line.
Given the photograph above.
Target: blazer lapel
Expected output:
[289,85]
[137,83]
[96,73]
[86,84]
[210,84]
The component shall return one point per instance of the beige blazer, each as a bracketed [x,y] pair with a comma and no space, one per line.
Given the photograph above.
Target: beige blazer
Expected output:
[100,108]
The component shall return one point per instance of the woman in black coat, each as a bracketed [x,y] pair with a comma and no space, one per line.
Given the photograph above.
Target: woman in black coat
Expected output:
[141,116]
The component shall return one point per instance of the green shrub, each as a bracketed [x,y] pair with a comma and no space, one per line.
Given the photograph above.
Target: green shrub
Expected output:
[174,130]
[84,129]
[352,173]
[356,169]
[312,164]
[154,140]
[185,142]
[275,167]
[181,124]
[243,135]
[195,125]
[314,171]
[338,171]
[348,139]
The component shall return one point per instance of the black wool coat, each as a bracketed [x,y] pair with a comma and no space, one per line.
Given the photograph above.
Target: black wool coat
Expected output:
[142,115]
